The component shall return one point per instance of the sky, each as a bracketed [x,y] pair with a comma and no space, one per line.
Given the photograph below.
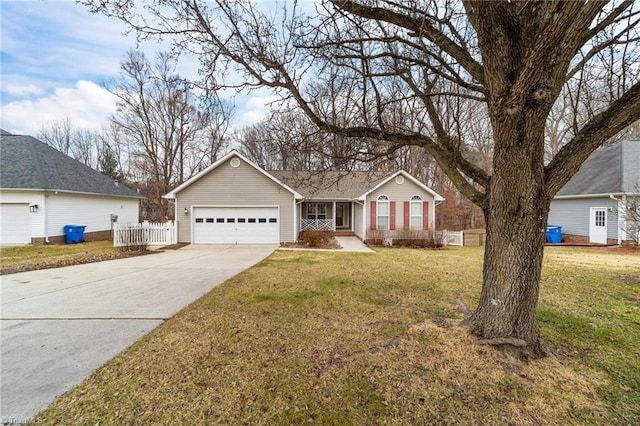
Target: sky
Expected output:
[55,59]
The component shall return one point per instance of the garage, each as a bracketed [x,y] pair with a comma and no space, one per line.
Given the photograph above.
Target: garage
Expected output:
[236,225]
[16,223]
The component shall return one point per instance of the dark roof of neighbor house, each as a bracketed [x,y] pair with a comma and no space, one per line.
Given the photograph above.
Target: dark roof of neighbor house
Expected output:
[27,163]
[612,169]
[330,184]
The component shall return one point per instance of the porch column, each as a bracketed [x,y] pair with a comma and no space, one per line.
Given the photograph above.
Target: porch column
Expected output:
[352,214]
[334,216]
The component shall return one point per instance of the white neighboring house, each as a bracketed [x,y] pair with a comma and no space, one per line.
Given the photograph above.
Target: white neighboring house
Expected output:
[593,205]
[42,190]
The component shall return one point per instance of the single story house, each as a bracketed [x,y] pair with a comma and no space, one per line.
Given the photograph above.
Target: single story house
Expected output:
[592,206]
[234,201]
[42,190]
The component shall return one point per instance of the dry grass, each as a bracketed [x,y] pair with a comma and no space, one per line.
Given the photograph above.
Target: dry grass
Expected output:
[32,257]
[339,339]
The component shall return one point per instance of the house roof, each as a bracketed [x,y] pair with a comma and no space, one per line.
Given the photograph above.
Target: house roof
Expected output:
[28,164]
[614,169]
[321,185]
[340,185]
[329,184]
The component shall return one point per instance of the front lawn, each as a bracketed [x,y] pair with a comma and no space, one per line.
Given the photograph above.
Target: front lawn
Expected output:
[347,338]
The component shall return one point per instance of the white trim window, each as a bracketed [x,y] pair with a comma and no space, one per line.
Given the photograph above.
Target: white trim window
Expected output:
[416,212]
[382,213]
[316,211]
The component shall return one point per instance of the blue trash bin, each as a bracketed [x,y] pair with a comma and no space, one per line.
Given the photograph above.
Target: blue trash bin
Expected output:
[74,233]
[554,234]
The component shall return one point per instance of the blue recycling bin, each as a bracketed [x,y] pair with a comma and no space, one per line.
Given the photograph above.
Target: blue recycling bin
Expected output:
[74,233]
[554,234]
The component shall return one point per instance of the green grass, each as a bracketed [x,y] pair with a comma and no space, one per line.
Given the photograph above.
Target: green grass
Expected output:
[345,338]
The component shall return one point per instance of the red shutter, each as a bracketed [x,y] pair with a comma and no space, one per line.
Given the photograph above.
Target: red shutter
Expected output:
[392,215]
[407,215]
[425,215]
[373,216]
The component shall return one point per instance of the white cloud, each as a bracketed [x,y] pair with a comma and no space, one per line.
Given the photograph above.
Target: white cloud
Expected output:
[257,108]
[22,89]
[87,106]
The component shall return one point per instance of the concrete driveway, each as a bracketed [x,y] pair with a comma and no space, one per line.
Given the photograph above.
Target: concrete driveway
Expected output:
[59,325]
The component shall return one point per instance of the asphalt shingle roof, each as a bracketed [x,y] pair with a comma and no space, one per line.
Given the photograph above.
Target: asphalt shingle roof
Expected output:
[27,163]
[612,169]
[329,184]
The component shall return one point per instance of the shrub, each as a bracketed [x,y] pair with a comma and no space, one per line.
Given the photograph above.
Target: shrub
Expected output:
[406,238]
[316,238]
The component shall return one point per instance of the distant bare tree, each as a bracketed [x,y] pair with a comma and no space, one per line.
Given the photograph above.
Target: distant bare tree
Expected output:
[80,144]
[58,134]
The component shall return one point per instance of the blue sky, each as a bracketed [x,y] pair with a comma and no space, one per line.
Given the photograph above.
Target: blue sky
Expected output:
[55,57]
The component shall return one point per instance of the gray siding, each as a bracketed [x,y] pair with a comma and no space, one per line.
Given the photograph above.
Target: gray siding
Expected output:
[235,186]
[573,215]
[399,193]
[631,167]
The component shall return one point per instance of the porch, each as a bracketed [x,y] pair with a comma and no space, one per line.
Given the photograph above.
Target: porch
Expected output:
[326,216]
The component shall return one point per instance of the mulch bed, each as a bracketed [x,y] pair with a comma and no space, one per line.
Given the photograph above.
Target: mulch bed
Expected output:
[609,249]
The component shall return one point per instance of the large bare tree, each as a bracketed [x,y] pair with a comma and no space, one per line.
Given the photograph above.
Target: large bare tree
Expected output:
[169,134]
[371,60]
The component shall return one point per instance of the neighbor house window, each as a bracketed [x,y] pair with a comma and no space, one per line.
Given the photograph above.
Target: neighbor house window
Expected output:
[316,211]
[382,210]
[416,212]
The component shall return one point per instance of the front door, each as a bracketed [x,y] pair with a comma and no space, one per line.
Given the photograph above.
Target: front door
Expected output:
[342,215]
[598,225]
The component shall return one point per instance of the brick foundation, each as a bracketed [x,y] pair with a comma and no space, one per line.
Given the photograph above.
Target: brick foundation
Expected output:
[582,239]
[88,236]
[575,239]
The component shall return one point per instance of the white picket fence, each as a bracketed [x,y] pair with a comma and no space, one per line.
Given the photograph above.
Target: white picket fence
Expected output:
[144,234]
[453,238]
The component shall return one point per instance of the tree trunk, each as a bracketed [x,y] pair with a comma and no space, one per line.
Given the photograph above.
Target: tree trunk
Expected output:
[516,210]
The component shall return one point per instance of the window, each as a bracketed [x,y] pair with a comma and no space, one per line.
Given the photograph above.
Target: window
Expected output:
[199,220]
[382,212]
[241,220]
[316,211]
[262,220]
[273,220]
[601,217]
[209,220]
[252,220]
[231,220]
[220,220]
[416,212]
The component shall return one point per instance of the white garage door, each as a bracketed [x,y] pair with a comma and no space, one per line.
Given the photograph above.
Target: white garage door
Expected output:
[15,224]
[236,225]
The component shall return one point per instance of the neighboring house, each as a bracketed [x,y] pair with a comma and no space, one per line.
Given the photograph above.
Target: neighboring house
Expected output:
[593,205]
[42,190]
[235,201]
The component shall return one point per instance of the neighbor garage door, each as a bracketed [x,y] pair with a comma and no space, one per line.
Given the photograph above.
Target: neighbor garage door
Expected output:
[236,225]
[15,224]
